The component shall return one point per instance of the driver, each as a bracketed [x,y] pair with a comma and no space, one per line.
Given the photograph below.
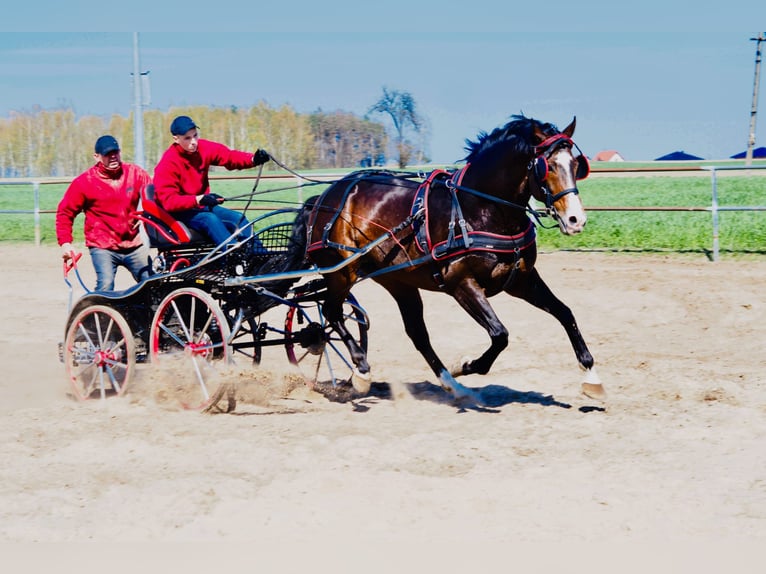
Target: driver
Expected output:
[182,187]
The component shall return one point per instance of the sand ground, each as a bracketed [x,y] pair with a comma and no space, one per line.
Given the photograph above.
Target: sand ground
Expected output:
[677,452]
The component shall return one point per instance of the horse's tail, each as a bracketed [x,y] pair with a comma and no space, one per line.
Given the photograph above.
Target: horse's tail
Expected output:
[294,259]
[299,235]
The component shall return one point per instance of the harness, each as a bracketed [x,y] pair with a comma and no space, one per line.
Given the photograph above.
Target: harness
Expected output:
[460,239]
[468,240]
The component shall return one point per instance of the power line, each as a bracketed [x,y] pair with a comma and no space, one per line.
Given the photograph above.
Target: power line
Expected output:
[754,107]
[138,115]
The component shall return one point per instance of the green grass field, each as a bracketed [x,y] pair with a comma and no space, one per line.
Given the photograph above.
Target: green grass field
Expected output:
[680,231]
[740,232]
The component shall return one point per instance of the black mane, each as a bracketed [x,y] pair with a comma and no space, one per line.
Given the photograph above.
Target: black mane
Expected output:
[520,131]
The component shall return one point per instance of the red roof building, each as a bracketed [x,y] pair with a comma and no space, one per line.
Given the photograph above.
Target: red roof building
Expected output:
[608,155]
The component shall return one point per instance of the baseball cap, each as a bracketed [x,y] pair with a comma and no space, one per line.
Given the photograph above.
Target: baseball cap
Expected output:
[181,125]
[106,144]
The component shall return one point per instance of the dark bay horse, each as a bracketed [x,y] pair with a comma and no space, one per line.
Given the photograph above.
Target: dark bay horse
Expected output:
[467,233]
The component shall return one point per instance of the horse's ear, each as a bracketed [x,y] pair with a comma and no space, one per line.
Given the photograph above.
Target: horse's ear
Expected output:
[569,130]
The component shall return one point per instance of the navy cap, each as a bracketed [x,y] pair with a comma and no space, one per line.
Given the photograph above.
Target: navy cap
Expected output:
[106,144]
[181,125]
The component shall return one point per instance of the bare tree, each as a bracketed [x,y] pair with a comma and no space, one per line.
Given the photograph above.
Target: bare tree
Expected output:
[400,107]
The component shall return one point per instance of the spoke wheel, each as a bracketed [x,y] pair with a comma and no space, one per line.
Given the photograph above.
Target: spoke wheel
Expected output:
[316,348]
[99,353]
[245,342]
[190,334]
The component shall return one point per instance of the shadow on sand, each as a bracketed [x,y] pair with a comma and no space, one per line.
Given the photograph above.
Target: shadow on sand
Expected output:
[492,396]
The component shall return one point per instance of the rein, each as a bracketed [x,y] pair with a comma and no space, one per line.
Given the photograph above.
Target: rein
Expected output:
[533,212]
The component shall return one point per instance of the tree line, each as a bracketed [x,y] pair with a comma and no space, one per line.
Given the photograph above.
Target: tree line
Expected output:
[56,143]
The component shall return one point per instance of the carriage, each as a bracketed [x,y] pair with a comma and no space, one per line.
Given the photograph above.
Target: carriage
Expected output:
[204,307]
[467,232]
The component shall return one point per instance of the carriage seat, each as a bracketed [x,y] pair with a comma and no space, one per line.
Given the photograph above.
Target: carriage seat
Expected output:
[163,229]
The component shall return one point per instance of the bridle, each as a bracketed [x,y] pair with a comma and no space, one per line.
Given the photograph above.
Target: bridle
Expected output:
[537,169]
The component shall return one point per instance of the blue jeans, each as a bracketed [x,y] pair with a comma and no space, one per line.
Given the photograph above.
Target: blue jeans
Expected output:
[217,223]
[138,261]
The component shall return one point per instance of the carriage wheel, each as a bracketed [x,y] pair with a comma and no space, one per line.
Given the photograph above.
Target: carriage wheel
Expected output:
[99,353]
[190,334]
[316,348]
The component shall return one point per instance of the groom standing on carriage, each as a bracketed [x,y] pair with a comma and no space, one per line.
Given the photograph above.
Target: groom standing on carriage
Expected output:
[108,194]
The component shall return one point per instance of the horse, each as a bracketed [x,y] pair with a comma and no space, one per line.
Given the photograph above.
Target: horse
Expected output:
[465,232]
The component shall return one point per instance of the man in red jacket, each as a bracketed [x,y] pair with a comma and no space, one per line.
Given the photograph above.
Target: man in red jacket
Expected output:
[108,194]
[182,187]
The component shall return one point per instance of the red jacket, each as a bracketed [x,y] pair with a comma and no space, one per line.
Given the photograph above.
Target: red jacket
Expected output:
[180,176]
[109,202]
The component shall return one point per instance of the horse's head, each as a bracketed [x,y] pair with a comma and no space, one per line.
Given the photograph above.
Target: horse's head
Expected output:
[552,176]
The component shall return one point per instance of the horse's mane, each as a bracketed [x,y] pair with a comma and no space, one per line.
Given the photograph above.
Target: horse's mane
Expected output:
[519,132]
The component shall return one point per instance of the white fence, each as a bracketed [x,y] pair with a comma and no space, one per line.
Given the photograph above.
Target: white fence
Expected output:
[714,207]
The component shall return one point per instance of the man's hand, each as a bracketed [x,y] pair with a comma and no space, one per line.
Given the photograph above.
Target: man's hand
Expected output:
[260,156]
[210,199]
[68,252]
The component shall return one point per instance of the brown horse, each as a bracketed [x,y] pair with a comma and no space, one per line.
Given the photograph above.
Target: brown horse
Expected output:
[467,233]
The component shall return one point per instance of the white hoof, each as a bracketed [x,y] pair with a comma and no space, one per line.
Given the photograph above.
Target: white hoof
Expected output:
[596,392]
[459,392]
[592,386]
[361,382]
[457,369]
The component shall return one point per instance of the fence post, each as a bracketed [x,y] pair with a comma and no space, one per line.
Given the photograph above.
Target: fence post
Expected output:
[298,184]
[714,210]
[37,213]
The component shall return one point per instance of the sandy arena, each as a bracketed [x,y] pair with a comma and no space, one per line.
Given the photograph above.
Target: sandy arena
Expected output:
[677,452]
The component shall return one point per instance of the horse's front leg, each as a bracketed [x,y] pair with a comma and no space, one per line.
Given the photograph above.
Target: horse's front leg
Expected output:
[410,305]
[531,288]
[471,297]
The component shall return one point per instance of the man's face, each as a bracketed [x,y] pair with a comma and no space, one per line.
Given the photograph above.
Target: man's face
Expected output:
[111,161]
[188,141]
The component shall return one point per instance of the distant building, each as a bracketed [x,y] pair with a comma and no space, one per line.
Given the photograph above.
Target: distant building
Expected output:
[678,156]
[608,155]
[759,152]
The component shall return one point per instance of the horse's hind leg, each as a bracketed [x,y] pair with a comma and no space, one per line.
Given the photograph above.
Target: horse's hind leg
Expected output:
[533,289]
[333,311]
[471,298]
[411,309]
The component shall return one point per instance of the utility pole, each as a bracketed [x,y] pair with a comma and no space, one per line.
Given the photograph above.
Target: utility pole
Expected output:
[754,108]
[138,115]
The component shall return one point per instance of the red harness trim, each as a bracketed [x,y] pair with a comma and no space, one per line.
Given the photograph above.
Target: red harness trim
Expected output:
[547,143]
[422,192]
[491,243]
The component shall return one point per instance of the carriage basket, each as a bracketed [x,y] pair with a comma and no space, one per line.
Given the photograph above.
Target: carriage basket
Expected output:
[276,237]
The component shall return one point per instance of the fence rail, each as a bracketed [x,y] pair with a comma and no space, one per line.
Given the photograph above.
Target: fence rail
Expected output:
[714,208]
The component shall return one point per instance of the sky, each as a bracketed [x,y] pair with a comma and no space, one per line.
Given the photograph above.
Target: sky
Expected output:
[644,82]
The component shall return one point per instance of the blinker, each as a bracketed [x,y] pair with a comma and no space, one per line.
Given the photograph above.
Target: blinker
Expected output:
[582,167]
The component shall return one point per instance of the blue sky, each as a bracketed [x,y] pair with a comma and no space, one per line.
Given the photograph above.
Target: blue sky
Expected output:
[643,82]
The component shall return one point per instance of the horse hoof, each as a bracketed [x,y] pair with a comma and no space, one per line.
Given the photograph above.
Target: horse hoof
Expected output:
[594,391]
[361,382]
[459,369]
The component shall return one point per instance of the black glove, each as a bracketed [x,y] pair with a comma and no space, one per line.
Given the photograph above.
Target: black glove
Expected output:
[211,200]
[260,156]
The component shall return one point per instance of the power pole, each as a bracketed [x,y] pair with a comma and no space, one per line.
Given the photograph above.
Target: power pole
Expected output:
[138,115]
[754,107]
